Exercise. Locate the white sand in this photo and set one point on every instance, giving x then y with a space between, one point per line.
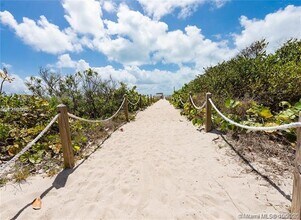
160 167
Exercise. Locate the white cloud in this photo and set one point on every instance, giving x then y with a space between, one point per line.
82 65
140 40
220 3
159 8
41 35
147 81
120 75
136 37
190 47
84 16
276 28
109 6
8 19
65 61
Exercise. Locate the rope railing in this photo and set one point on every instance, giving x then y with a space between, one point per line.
64 131
181 101
98 121
131 103
194 105
254 128
29 145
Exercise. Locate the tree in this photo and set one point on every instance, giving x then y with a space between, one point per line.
85 93
4 78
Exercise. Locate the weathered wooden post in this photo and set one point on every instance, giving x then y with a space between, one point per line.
140 101
296 202
126 107
190 95
65 136
208 121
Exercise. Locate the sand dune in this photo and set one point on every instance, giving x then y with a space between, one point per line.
159 167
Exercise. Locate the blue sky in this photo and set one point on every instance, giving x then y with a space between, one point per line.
155 45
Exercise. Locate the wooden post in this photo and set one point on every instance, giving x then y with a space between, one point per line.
65 136
296 202
126 107
140 101
208 121
190 95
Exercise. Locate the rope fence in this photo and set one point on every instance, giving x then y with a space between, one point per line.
296 193
64 131
182 102
29 145
253 128
194 105
101 120
131 103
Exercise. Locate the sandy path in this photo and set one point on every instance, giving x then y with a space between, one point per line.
160 167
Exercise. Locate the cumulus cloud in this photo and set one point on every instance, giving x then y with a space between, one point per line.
84 16
148 81
41 35
190 47
136 37
276 28
109 6
159 8
141 40
65 61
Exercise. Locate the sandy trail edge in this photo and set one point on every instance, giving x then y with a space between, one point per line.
160 167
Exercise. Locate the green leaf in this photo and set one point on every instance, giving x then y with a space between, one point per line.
76 148
286 115
228 103
24 158
35 158
265 113
298 106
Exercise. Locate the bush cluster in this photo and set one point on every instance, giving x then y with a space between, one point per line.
254 88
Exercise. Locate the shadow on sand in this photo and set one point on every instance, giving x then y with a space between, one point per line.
245 160
248 163
61 179
59 182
